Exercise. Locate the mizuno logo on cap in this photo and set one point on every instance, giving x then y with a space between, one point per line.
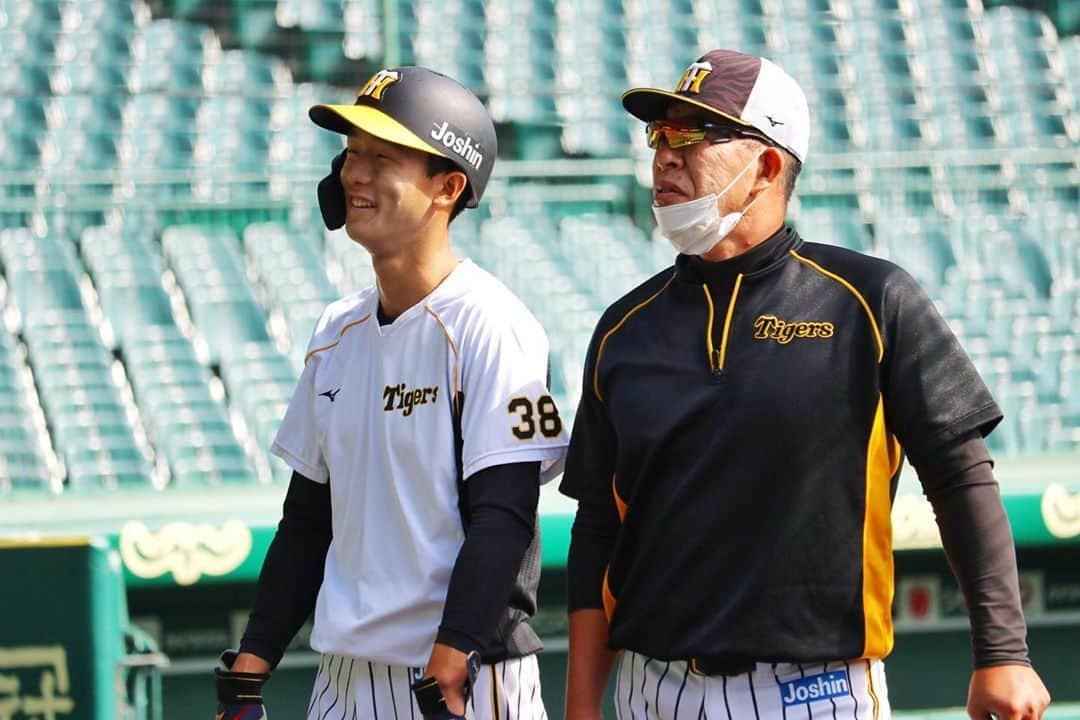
459 143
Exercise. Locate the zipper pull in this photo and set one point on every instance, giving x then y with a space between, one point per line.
716 368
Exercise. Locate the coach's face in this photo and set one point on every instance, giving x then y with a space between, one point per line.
389 197
694 171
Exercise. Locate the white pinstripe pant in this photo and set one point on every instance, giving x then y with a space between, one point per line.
648 689
353 689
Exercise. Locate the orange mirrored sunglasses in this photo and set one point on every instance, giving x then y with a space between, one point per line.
681 134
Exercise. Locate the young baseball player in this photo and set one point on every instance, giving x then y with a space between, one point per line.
420 431
739 438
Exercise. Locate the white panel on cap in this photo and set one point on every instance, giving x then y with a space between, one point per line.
777 107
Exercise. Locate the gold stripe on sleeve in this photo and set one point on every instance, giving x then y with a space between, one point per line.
340 335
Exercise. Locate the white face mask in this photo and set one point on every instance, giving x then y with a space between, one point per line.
695 227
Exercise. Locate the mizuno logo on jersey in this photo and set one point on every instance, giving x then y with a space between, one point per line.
402 397
814 688
456 141
331 394
770 327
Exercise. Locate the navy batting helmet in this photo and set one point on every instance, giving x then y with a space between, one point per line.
424 110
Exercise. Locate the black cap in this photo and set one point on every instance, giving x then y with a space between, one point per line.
424 110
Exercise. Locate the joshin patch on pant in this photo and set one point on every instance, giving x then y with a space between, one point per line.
814 688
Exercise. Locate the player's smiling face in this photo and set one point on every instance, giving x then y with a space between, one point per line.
694 171
388 193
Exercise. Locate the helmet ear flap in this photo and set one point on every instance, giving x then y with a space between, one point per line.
332 194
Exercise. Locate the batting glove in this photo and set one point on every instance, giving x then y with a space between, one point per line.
332 194
429 697
239 693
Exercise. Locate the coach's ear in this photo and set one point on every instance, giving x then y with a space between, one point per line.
332 194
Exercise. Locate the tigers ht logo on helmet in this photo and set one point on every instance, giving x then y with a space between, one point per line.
378 83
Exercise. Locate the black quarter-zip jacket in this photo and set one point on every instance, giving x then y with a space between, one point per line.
745 421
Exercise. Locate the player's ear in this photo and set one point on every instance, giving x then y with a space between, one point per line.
770 165
452 185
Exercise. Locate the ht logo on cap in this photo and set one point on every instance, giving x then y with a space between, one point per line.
376 86
693 77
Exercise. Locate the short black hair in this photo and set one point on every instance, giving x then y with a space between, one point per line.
790 173
436 165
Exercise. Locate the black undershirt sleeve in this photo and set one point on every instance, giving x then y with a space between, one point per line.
292 571
592 539
959 482
501 502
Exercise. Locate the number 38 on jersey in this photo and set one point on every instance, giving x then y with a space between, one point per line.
530 417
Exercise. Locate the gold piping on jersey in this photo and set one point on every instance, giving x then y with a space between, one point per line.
882 462
727 320
340 335
620 504
457 367
714 362
716 358
853 291
870 689
609 333
607 596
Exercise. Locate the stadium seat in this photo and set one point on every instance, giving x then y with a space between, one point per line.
826 225
920 248
1070 56
40 292
519 72
246 73
23 464
617 261
21 78
23 471
168 56
450 36
310 14
105 473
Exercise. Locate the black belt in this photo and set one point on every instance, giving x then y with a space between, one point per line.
717 665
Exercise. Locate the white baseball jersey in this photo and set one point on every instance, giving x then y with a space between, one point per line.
373 415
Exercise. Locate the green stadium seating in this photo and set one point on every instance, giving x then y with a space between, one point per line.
363 37
921 249
20 78
168 56
310 14
246 74
22 461
161 117
825 225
